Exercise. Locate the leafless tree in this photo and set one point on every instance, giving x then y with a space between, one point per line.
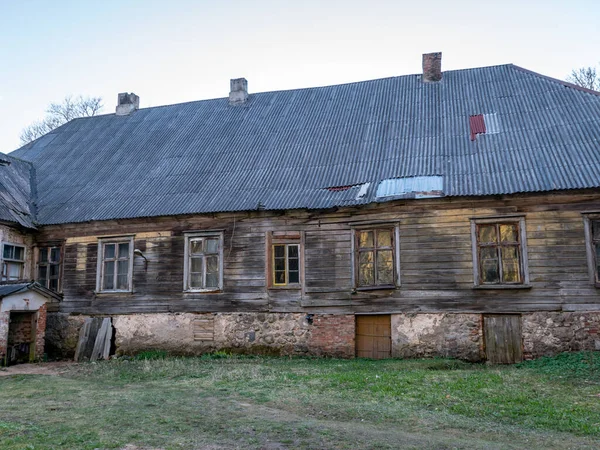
58 114
586 77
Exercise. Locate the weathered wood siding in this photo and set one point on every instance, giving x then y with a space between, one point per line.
435 258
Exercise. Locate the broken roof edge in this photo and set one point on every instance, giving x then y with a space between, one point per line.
556 80
355 204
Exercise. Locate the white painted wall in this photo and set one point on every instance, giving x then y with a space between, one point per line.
22 301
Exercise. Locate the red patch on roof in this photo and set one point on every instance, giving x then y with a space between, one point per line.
477 125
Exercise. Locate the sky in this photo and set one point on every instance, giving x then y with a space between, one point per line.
184 50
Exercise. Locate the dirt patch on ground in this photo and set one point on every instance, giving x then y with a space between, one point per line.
49 368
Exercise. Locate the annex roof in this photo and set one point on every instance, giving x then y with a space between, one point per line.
13 288
324 147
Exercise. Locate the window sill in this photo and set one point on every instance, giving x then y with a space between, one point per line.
106 293
484 287
377 288
203 291
296 287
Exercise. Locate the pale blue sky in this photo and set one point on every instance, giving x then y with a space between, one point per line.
175 51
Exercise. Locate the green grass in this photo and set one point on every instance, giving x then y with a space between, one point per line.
220 401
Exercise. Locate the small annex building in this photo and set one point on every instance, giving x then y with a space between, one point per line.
23 308
446 213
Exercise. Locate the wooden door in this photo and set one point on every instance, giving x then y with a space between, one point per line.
502 334
373 336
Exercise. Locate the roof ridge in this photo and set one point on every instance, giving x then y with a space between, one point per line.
556 80
323 86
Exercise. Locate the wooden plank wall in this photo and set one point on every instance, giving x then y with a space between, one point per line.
435 248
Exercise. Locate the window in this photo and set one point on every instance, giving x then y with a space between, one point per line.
592 238
115 265
48 268
13 262
500 256
203 262
286 264
284 251
376 257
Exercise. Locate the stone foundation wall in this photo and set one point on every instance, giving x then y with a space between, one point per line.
549 333
252 333
428 335
413 335
62 334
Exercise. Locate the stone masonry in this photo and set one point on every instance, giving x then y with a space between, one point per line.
453 335
549 333
428 335
253 333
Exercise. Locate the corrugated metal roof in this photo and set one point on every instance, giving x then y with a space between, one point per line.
15 191
282 150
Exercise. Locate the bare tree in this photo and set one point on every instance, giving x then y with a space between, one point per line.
58 114
586 77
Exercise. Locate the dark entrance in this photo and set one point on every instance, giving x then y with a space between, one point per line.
502 334
373 336
21 337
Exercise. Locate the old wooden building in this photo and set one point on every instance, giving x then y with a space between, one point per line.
439 214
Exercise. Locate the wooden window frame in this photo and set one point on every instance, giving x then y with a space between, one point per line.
5 261
588 219
284 238
186 265
102 242
523 252
395 227
49 247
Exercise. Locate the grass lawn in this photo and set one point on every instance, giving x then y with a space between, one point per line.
275 403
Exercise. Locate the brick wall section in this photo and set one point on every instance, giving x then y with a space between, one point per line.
40 332
549 333
333 335
19 331
4 319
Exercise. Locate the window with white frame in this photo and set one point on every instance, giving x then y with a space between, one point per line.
499 252
203 271
13 262
376 257
115 265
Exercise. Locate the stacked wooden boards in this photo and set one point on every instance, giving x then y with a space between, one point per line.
95 339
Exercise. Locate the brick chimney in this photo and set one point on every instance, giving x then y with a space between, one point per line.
432 67
239 91
127 103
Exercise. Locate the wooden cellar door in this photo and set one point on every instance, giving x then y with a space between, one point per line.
373 336
502 334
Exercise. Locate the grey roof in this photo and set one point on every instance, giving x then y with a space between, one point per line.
15 191
12 288
8 289
285 150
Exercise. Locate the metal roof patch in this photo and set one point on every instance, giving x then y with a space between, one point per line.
411 187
